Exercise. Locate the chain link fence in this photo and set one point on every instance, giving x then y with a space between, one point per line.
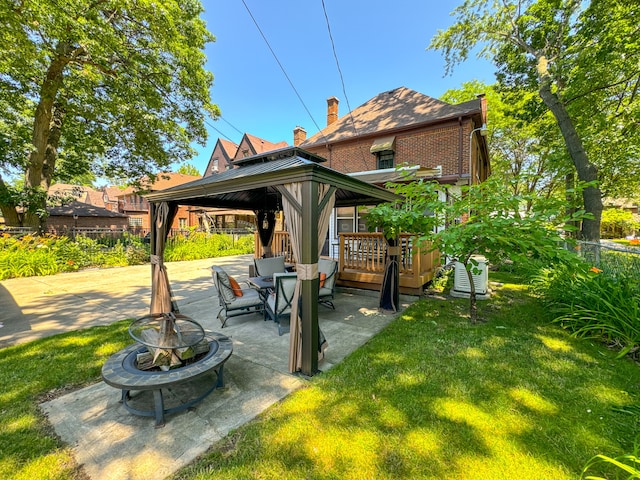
611 258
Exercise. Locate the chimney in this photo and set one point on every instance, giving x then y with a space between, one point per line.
299 136
483 106
332 110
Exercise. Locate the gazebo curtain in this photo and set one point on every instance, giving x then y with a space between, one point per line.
389 290
266 220
161 296
292 207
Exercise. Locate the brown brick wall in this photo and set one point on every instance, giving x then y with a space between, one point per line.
427 147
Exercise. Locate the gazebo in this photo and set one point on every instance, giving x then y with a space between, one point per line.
292 180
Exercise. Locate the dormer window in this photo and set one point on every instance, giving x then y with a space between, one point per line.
385 159
384 150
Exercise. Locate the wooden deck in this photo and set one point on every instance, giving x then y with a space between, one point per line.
361 256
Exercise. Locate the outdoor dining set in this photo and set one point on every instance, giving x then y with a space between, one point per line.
269 290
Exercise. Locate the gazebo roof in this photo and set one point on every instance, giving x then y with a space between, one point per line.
251 185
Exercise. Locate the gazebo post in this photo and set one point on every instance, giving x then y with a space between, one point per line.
309 287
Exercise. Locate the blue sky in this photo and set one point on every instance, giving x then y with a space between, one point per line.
380 45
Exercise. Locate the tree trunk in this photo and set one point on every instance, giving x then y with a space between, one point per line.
47 128
8 207
473 300
587 172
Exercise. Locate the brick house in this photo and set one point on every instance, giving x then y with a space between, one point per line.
131 202
226 152
439 140
67 219
222 158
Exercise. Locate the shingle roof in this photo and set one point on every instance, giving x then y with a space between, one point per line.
261 146
83 210
228 148
389 111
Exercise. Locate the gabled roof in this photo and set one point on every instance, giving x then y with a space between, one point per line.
114 192
257 146
95 197
228 148
389 111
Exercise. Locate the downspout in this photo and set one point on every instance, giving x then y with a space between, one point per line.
460 144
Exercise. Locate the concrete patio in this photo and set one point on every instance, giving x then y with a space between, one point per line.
111 443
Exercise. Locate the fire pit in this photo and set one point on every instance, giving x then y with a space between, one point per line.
172 351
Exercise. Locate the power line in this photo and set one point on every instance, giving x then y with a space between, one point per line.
282 68
232 126
344 90
217 130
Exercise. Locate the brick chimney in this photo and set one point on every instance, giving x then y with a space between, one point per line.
483 106
332 110
299 136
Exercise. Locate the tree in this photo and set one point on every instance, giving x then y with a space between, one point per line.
572 52
188 169
110 88
515 126
495 227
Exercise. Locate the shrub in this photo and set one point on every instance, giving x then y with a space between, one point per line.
593 304
199 245
618 223
48 254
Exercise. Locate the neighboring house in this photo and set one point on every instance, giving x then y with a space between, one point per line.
132 203
80 215
438 140
64 193
627 204
110 197
222 158
225 152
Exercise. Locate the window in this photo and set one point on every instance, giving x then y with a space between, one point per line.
135 221
385 159
182 223
349 220
344 219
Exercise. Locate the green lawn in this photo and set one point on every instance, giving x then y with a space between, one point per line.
430 397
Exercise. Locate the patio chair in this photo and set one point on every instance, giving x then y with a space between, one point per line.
327 269
234 301
266 267
278 305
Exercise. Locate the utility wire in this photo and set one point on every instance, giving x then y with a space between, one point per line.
282 68
232 126
217 130
344 90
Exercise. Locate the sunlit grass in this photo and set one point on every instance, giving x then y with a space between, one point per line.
431 397
435 397
29 372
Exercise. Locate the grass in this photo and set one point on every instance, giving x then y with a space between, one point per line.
430 397
32 372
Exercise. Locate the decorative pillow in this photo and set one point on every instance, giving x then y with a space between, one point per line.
323 277
235 286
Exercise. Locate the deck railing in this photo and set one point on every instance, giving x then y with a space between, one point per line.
280 245
361 258
366 252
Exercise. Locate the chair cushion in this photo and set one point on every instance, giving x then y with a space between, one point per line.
235 286
325 292
271 305
328 267
250 298
269 266
223 285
